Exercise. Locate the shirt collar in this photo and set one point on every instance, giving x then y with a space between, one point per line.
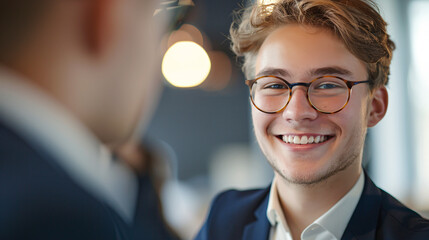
274 211
45 123
333 222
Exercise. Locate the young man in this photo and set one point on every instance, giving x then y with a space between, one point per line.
319 70
75 77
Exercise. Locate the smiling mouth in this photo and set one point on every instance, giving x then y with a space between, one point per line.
302 140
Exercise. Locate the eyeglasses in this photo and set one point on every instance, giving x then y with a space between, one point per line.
326 94
177 11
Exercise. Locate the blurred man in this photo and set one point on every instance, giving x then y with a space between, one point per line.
75 76
319 70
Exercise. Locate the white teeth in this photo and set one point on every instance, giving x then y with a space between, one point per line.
296 140
304 139
317 139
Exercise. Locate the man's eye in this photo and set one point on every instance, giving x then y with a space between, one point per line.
327 86
275 86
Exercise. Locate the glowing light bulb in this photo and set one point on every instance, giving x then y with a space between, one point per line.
186 64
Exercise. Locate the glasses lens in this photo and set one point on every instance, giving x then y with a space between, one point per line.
328 94
270 94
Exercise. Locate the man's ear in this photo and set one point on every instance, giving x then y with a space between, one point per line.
378 106
99 25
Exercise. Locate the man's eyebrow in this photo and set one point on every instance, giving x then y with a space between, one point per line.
274 71
330 71
317 72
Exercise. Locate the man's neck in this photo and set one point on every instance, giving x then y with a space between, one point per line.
303 204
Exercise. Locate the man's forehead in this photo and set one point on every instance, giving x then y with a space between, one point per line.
306 51
289 30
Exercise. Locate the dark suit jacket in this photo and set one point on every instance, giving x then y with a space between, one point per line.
242 215
38 200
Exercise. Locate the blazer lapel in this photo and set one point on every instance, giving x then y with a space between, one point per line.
259 228
363 223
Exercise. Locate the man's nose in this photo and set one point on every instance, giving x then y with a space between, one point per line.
299 108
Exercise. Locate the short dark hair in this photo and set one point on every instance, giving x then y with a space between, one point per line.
17 19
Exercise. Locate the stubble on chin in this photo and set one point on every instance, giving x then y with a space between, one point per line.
314 179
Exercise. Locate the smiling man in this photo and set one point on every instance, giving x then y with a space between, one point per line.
318 73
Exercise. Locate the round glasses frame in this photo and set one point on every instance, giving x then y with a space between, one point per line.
349 84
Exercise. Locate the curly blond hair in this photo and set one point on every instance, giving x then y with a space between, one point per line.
357 23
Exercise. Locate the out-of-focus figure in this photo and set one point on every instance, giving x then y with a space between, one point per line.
175 202
75 77
155 169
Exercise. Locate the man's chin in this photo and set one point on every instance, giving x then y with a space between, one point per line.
310 178
305 179
302 175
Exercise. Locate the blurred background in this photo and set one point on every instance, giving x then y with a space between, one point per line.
203 133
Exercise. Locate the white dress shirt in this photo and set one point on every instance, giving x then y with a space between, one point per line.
42 121
330 226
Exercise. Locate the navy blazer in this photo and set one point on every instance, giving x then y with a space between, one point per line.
242 215
38 200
